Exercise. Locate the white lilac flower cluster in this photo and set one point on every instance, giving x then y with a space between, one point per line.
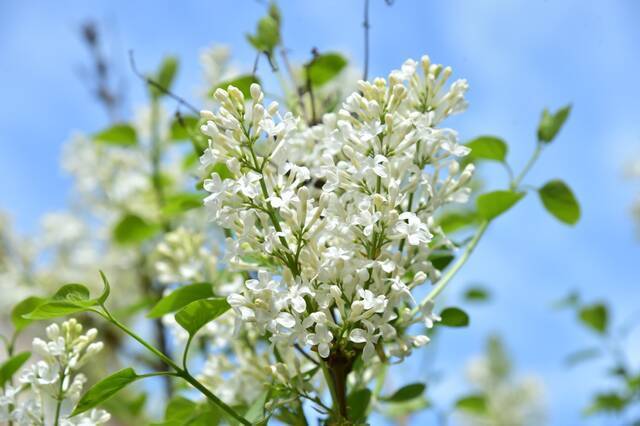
49 389
335 223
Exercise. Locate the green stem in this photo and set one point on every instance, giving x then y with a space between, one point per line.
451 272
182 373
59 398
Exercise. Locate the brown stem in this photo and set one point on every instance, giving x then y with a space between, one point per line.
340 365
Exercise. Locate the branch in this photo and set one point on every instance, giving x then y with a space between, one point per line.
366 26
158 86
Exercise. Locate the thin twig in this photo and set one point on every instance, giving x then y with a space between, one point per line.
306 355
366 26
254 71
158 86
314 118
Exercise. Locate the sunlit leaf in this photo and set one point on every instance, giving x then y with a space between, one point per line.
10 366
325 67
105 389
24 307
487 148
180 298
493 204
559 200
132 229
551 123
196 314
472 404
122 134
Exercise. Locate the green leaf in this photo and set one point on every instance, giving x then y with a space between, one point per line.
454 221
72 293
24 307
165 76
196 314
472 404
441 260
242 83
493 204
10 366
550 124
182 128
582 355
105 389
594 316
454 317
324 68
267 35
182 202
488 148
358 403
608 403
476 294
255 413
69 299
559 200
121 134
132 229
406 393
106 289
571 300
180 298
402 409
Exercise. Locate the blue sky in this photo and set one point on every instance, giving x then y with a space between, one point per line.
519 56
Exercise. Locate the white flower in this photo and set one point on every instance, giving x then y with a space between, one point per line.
411 227
368 337
321 338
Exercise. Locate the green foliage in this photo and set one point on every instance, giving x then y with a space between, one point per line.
69 299
559 200
179 203
324 68
132 229
610 402
182 412
196 314
493 204
242 83
406 393
267 35
121 134
475 404
476 294
105 389
23 308
358 404
454 317
183 127
440 260
256 412
488 148
165 76
551 123
454 221
180 298
10 366
595 317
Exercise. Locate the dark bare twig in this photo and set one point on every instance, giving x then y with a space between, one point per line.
158 86
366 26
255 65
304 354
314 52
100 76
